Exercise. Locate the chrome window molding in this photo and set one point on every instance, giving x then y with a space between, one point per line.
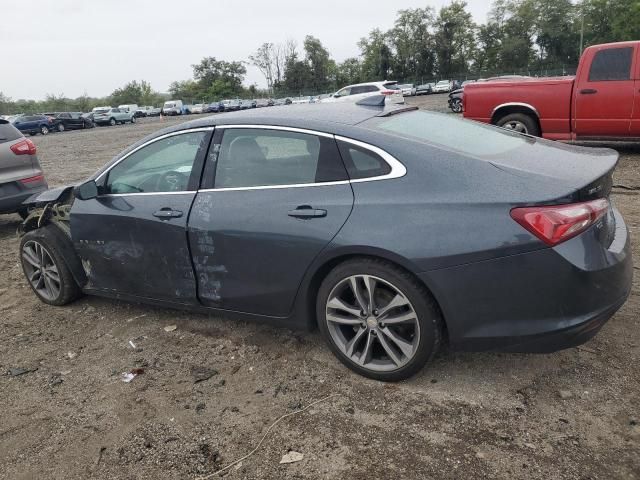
397 168
279 128
153 140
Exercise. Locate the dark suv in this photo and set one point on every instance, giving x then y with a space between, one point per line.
20 172
35 124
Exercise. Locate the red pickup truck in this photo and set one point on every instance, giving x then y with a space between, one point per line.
602 102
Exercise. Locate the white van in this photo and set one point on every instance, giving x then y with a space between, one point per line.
173 107
131 108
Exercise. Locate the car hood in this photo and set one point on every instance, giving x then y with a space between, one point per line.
51 195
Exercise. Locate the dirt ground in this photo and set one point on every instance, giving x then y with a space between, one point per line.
573 414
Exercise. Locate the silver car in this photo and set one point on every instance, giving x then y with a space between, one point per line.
20 172
113 116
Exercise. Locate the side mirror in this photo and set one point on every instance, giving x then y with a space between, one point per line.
86 191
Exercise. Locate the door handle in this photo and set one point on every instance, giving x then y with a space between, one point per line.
588 91
167 213
306 211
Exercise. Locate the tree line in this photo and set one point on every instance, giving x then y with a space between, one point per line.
534 37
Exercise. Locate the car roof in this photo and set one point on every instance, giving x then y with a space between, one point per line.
314 116
378 84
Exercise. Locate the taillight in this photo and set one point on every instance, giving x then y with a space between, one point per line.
25 147
37 178
558 223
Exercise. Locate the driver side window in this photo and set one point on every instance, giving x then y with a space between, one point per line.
344 92
162 166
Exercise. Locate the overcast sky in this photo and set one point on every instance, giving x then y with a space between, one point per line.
75 46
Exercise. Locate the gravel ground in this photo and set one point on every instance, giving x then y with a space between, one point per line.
211 388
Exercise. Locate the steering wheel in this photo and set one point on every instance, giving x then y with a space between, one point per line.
172 181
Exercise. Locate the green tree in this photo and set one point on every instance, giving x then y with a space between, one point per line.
413 44
454 39
348 72
376 55
218 78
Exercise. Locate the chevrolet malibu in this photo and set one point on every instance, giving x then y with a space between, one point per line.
393 230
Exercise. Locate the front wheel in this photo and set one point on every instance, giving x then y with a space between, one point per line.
456 105
44 130
133 120
60 127
45 270
521 123
378 319
112 122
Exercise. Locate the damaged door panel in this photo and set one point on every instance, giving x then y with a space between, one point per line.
132 236
279 198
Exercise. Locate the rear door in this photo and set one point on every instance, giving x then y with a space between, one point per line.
273 198
132 238
604 93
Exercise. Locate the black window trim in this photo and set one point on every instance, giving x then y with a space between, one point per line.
397 168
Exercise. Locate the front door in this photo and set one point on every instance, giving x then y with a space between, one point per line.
132 238
277 198
604 93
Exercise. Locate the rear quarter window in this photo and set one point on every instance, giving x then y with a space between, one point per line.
8 133
362 163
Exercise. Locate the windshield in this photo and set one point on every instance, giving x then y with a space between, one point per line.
478 140
169 105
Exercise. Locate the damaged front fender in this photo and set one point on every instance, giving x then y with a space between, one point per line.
51 210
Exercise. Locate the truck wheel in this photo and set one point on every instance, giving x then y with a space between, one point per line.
521 123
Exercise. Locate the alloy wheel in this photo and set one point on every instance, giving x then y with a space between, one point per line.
41 270
372 323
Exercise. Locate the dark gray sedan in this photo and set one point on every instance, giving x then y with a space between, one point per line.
393 230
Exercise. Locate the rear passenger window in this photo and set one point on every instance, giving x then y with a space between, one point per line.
361 162
257 157
8 132
611 64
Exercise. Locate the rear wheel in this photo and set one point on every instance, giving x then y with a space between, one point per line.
456 105
44 130
521 123
377 319
45 270
133 119
60 127
112 121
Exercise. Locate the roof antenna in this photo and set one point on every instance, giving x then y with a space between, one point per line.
372 101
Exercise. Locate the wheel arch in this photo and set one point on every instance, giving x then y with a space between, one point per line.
309 292
56 233
505 109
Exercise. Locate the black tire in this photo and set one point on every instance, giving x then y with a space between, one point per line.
529 123
456 106
427 312
69 289
44 130
133 120
112 122
60 127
